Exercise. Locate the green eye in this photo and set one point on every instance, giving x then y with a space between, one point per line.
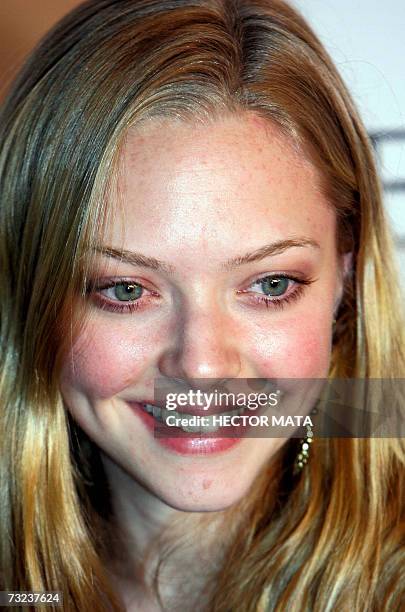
273 286
126 292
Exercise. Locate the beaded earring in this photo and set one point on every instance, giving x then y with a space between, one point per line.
305 445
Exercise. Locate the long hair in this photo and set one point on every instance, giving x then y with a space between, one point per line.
327 540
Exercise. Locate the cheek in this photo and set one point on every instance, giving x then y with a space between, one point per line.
295 349
106 359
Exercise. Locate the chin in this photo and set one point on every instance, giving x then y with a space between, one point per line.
191 500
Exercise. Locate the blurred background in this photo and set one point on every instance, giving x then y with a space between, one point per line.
364 37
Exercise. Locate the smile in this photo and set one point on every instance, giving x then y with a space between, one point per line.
191 423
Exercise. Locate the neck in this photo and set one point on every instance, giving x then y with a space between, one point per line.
184 550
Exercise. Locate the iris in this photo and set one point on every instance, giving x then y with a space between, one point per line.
272 285
126 292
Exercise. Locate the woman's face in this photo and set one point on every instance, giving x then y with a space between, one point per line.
197 212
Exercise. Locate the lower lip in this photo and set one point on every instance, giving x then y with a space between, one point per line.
204 444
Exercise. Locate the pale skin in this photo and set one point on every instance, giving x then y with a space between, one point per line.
195 197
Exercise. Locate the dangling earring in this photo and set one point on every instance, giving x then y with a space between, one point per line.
305 444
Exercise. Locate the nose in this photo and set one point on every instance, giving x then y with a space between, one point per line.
203 346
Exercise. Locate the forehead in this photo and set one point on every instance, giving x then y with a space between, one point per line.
238 179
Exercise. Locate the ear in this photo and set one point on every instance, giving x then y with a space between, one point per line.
346 268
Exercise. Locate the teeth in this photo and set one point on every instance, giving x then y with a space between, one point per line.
191 428
157 412
210 428
160 414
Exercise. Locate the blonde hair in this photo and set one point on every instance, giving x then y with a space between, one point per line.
324 541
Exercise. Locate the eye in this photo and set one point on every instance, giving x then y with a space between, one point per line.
273 286
121 295
276 290
124 292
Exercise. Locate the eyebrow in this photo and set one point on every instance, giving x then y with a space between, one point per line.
274 248
135 259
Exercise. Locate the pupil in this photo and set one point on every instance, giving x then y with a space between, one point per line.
128 291
274 286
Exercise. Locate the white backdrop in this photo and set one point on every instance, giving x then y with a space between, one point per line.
366 39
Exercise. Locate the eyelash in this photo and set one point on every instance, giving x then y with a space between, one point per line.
120 307
132 306
281 302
